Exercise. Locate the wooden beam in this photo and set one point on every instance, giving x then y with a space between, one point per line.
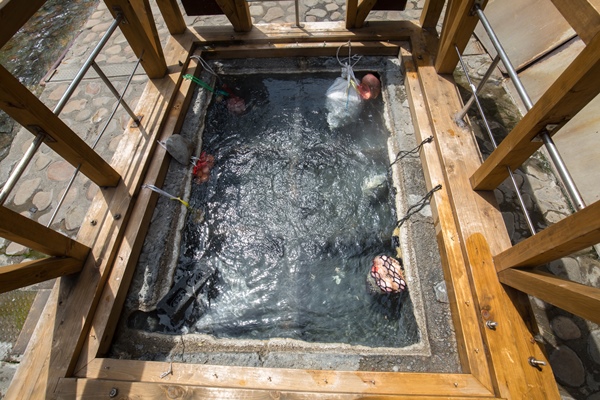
351 10
57 341
573 233
141 43
237 13
96 389
311 32
172 15
242 9
582 15
310 49
27 273
363 10
466 319
430 16
22 105
458 27
482 233
17 228
574 89
144 13
14 14
108 311
283 379
573 297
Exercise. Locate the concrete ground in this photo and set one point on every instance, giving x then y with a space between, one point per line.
573 344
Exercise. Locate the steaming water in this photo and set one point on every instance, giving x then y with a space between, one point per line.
295 212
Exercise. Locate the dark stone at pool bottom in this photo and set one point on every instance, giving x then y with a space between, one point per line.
295 212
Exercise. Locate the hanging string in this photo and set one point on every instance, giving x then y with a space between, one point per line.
404 153
415 208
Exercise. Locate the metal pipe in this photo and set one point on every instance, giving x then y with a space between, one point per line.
505 60
20 168
563 171
86 65
461 114
297 8
489 131
114 91
561 168
76 172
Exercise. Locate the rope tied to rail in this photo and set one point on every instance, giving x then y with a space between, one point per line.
405 153
415 208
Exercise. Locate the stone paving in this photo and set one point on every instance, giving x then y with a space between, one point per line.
573 344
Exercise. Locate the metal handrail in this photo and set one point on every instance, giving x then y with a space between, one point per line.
555 156
41 136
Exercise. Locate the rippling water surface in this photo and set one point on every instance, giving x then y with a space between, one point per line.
295 212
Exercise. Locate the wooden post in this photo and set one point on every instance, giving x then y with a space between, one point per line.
574 89
458 27
144 13
22 105
14 14
582 15
134 30
172 15
573 297
20 229
351 9
574 233
364 8
27 273
238 13
431 13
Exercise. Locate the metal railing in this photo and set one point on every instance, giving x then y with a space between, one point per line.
40 137
553 152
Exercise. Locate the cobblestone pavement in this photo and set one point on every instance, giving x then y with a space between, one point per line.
573 344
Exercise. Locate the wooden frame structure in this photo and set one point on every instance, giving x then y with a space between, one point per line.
65 356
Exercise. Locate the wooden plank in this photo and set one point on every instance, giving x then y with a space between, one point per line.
141 44
22 105
91 389
144 12
574 88
583 15
482 233
113 297
573 233
458 27
54 350
312 32
18 228
281 379
351 9
29 272
310 49
14 14
465 317
172 15
430 16
363 10
573 297
513 20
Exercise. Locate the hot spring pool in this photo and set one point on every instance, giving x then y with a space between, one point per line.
294 212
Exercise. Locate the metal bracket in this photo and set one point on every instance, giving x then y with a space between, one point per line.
477 4
41 132
119 14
